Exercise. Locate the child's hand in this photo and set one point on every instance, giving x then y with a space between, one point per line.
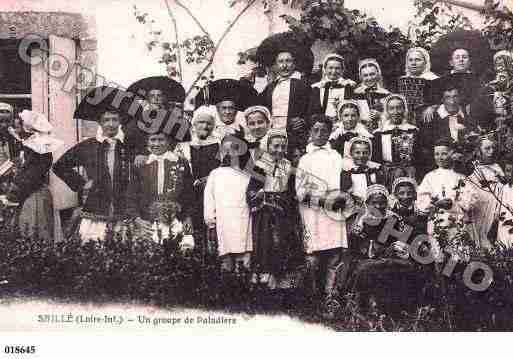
140 160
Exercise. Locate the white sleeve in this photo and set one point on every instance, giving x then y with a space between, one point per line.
301 179
424 193
209 201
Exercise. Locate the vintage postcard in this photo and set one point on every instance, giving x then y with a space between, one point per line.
255 166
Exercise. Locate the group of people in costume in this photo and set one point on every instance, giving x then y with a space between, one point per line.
298 176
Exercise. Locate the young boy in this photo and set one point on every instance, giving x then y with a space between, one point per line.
317 181
161 190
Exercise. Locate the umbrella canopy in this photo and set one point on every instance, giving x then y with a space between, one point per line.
286 41
102 99
173 91
470 40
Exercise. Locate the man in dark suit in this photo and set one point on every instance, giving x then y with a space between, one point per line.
450 120
107 161
161 190
288 97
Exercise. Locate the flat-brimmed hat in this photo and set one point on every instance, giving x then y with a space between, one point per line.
104 99
173 90
286 42
240 92
473 41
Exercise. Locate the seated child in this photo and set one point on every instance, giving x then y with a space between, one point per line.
380 266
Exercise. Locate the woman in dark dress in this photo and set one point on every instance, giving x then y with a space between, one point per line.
29 186
277 244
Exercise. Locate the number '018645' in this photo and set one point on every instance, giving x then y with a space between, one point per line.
19 349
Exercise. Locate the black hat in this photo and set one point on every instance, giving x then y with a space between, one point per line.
286 42
173 91
473 41
104 99
444 141
240 92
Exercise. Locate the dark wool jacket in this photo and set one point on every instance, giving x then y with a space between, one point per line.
92 156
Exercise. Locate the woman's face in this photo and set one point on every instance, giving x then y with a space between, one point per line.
395 110
369 75
460 60
257 124
442 156
377 204
204 125
349 117
406 194
487 149
416 63
333 70
360 152
277 148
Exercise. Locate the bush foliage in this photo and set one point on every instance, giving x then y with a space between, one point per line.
142 271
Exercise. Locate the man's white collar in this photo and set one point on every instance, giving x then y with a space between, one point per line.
442 112
168 155
101 138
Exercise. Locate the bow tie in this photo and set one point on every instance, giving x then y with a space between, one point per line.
371 89
253 145
359 170
166 156
333 85
311 147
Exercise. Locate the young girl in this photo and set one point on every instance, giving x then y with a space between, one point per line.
347 127
277 241
225 207
371 90
486 208
358 171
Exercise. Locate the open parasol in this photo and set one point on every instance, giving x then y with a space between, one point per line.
470 40
270 47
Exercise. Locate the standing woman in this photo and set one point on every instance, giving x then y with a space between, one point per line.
416 85
371 90
396 143
277 241
30 184
487 207
332 89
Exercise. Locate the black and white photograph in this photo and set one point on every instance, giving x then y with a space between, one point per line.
255 166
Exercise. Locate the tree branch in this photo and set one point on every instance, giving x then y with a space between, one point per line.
178 51
194 18
226 31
